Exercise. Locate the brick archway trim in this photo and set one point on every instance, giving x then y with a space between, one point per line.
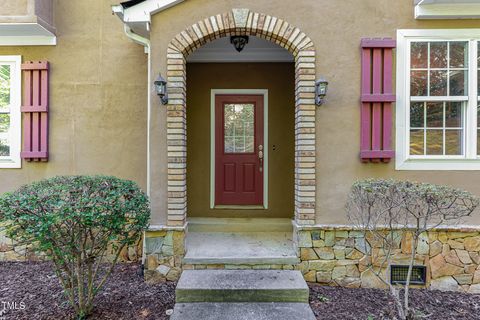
242 22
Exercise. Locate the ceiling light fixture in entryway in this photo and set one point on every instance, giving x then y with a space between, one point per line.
239 42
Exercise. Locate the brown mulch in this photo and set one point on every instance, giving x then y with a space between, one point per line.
335 303
125 295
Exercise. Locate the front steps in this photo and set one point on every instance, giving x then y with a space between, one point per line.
242 295
239 242
242 311
241 286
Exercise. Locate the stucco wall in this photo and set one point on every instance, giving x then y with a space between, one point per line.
13 7
336 28
278 78
98 96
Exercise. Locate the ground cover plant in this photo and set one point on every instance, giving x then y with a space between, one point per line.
81 223
386 210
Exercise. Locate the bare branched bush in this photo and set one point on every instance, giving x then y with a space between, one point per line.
386 210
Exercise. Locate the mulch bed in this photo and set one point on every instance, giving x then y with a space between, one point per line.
125 295
334 303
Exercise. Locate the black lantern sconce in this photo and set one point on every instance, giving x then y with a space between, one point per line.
321 87
239 42
161 89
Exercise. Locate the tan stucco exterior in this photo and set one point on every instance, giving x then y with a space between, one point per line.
336 28
98 96
98 93
28 11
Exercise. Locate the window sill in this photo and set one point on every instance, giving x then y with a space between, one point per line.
10 164
438 164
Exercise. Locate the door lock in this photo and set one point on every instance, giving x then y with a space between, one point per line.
260 157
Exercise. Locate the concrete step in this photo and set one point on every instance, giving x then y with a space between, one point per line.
242 311
241 286
237 248
240 225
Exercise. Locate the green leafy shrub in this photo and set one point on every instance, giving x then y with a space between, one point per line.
78 221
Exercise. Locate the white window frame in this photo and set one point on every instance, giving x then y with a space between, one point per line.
15 132
470 160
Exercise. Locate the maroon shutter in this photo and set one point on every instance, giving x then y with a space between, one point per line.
377 98
35 110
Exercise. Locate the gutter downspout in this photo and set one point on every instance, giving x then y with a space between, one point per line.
146 43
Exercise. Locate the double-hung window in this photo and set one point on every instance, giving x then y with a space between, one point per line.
10 118
437 111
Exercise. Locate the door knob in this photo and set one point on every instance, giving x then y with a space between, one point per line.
260 156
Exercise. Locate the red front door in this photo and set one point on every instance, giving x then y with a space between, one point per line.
239 150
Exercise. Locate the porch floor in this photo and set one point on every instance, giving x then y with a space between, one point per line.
239 247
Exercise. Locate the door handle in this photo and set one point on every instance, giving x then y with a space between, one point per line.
260 157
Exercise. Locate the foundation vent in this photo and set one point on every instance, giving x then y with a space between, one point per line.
398 274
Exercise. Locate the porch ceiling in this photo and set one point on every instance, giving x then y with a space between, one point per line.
257 50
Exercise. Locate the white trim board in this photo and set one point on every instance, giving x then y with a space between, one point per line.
469 161
213 93
15 131
441 9
26 34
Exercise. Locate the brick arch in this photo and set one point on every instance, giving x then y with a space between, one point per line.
242 22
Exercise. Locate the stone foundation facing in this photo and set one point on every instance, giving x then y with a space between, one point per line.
337 257
12 251
331 256
164 251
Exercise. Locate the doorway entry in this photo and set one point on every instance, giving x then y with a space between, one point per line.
240 157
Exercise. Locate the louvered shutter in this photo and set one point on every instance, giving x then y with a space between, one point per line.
377 98
35 110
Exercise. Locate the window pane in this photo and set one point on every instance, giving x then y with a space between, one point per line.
418 86
416 142
478 129
416 115
453 115
457 83
478 142
419 55
458 54
434 115
453 142
4 86
4 122
434 142
239 128
438 83
438 54
4 148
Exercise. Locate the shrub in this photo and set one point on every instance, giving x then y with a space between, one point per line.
77 221
381 208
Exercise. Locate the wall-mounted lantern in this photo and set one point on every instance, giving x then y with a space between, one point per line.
321 87
161 89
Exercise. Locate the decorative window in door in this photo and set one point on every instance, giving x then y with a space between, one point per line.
239 128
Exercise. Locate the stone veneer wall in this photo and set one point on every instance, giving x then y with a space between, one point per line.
164 251
11 251
337 257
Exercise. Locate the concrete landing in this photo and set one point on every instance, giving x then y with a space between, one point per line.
239 225
242 286
242 311
240 248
